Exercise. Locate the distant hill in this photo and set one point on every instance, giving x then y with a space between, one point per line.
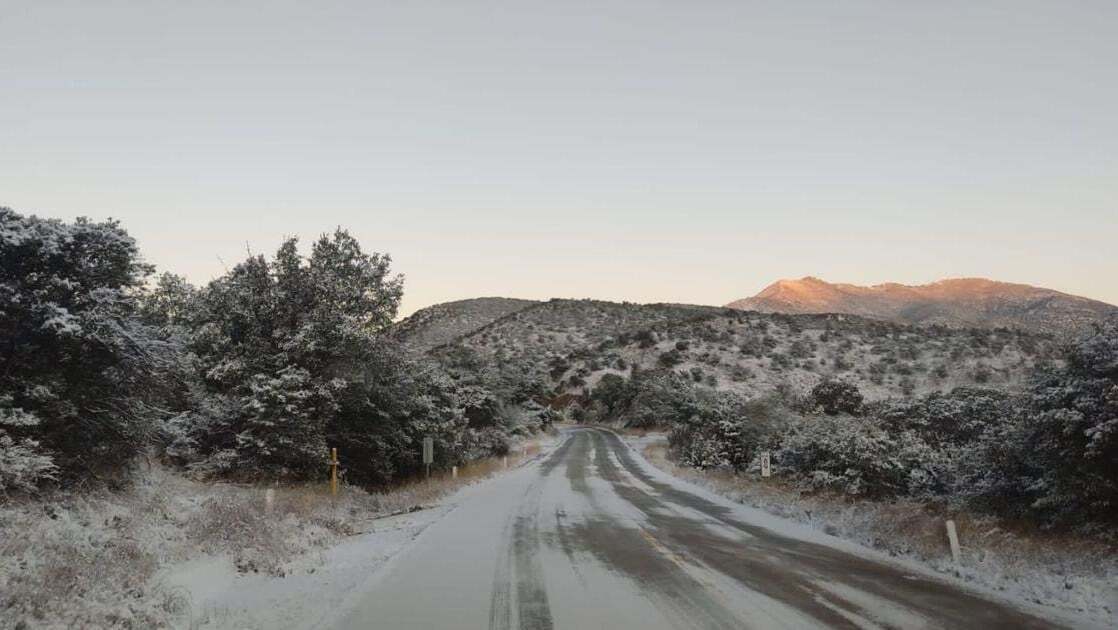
441 323
568 345
961 302
560 325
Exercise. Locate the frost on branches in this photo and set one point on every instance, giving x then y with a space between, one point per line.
285 359
75 361
1049 454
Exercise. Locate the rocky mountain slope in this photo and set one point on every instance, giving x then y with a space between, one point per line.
960 302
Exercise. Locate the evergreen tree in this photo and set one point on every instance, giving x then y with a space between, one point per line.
75 361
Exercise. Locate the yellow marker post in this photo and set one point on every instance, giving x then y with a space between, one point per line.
334 471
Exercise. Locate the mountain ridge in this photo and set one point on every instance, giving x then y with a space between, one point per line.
956 302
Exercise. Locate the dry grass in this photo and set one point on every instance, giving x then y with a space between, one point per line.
80 561
1070 572
87 560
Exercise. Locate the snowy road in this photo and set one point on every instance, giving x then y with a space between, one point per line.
591 536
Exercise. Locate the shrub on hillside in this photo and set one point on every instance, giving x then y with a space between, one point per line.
835 397
670 359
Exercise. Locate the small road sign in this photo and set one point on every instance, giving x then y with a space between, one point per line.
428 453
766 464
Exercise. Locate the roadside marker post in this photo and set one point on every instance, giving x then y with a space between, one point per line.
428 454
453 472
334 472
766 464
269 500
953 538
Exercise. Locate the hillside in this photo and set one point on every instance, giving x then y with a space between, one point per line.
568 345
440 323
531 349
757 353
961 302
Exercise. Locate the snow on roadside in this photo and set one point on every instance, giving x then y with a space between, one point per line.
313 587
220 597
1074 584
166 551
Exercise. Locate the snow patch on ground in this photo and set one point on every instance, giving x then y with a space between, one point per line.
314 584
166 551
314 587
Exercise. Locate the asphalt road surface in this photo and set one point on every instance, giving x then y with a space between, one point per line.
591 536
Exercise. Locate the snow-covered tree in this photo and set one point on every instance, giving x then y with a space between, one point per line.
290 362
72 353
1069 450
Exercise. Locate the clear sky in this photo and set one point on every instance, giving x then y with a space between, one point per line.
645 150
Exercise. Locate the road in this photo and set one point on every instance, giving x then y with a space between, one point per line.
591 536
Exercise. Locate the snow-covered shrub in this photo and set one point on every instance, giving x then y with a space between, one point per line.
288 364
958 417
932 446
843 453
660 399
835 397
527 418
1068 463
22 465
285 419
75 356
727 431
858 456
613 393
479 443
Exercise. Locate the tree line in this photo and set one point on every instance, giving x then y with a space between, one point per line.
253 375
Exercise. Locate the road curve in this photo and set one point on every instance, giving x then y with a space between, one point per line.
591 536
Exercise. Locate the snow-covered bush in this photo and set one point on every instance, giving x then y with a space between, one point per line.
613 393
727 431
844 453
659 399
835 397
1068 447
287 362
75 358
285 421
22 464
958 417
1049 455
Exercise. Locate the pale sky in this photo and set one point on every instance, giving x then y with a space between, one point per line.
643 150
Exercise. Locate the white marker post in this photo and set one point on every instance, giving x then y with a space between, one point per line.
766 464
953 538
269 500
454 472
